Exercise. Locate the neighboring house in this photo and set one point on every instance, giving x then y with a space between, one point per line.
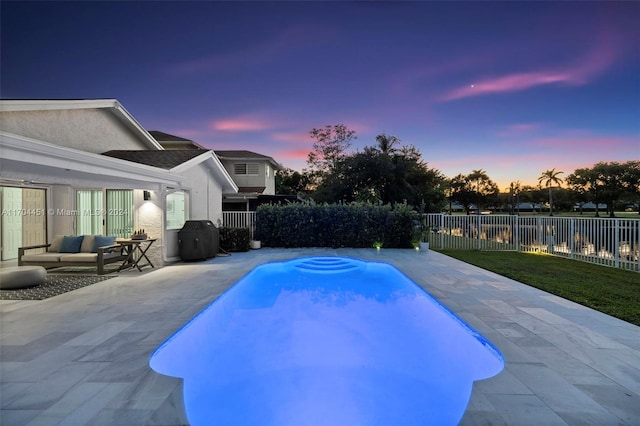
589 206
53 179
253 173
174 142
255 176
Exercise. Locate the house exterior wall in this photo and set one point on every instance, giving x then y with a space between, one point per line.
270 180
265 176
149 216
205 203
93 130
62 199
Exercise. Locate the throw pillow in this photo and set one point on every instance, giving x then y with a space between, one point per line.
87 244
56 243
101 241
71 244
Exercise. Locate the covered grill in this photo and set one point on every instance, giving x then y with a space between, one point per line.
198 240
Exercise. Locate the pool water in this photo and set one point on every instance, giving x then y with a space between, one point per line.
326 341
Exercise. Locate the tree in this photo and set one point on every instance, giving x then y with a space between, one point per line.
606 183
631 181
330 146
383 174
290 181
386 144
475 188
550 177
514 195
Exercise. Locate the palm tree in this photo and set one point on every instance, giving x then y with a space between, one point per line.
514 190
386 144
550 177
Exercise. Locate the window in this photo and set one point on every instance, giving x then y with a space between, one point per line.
246 169
177 212
240 168
91 215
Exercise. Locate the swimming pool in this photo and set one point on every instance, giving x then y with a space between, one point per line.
328 341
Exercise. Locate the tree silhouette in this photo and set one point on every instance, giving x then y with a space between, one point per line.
386 144
549 178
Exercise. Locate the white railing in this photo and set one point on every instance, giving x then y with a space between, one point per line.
240 220
610 242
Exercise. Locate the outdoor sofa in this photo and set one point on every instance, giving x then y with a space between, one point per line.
69 250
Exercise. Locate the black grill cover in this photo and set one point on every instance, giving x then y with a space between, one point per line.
198 240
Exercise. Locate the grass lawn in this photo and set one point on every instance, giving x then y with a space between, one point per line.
612 291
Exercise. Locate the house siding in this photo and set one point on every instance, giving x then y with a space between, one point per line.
90 130
260 179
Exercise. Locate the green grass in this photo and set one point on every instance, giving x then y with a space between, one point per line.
612 291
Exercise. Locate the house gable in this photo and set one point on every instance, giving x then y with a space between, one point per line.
86 125
250 170
179 162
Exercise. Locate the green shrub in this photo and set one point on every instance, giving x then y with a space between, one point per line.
335 225
234 239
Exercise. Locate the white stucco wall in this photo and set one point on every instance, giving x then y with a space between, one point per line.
205 203
91 130
61 200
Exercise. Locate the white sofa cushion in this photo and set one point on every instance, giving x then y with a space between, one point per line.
56 243
87 244
85 257
79 257
41 257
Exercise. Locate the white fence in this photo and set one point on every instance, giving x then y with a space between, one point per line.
610 242
240 220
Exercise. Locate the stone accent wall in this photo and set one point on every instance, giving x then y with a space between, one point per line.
149 216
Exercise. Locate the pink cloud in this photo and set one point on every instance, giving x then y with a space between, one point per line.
509 83
240 125
518 129
293 154
582 70
292 137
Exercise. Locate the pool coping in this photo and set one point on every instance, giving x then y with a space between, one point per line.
82 357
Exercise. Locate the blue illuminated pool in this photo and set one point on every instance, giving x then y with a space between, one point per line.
326 341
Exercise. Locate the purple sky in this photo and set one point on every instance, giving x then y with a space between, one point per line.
514 88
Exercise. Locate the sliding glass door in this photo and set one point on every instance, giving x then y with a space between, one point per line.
23 221
109 215
119 212
89 207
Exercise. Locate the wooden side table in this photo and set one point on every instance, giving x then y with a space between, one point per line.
136 251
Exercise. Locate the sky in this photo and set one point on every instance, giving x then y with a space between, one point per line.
511 88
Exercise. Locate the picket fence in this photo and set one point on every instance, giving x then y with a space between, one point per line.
604 241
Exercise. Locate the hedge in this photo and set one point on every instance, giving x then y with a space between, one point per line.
354 225
234 239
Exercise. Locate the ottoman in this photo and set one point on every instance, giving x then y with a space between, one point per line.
21 277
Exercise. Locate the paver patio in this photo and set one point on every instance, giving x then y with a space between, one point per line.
81 358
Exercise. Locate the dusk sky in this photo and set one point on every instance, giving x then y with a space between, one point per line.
513 88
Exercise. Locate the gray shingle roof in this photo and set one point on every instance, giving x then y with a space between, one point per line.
163 137
246 155
240 154
163 159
